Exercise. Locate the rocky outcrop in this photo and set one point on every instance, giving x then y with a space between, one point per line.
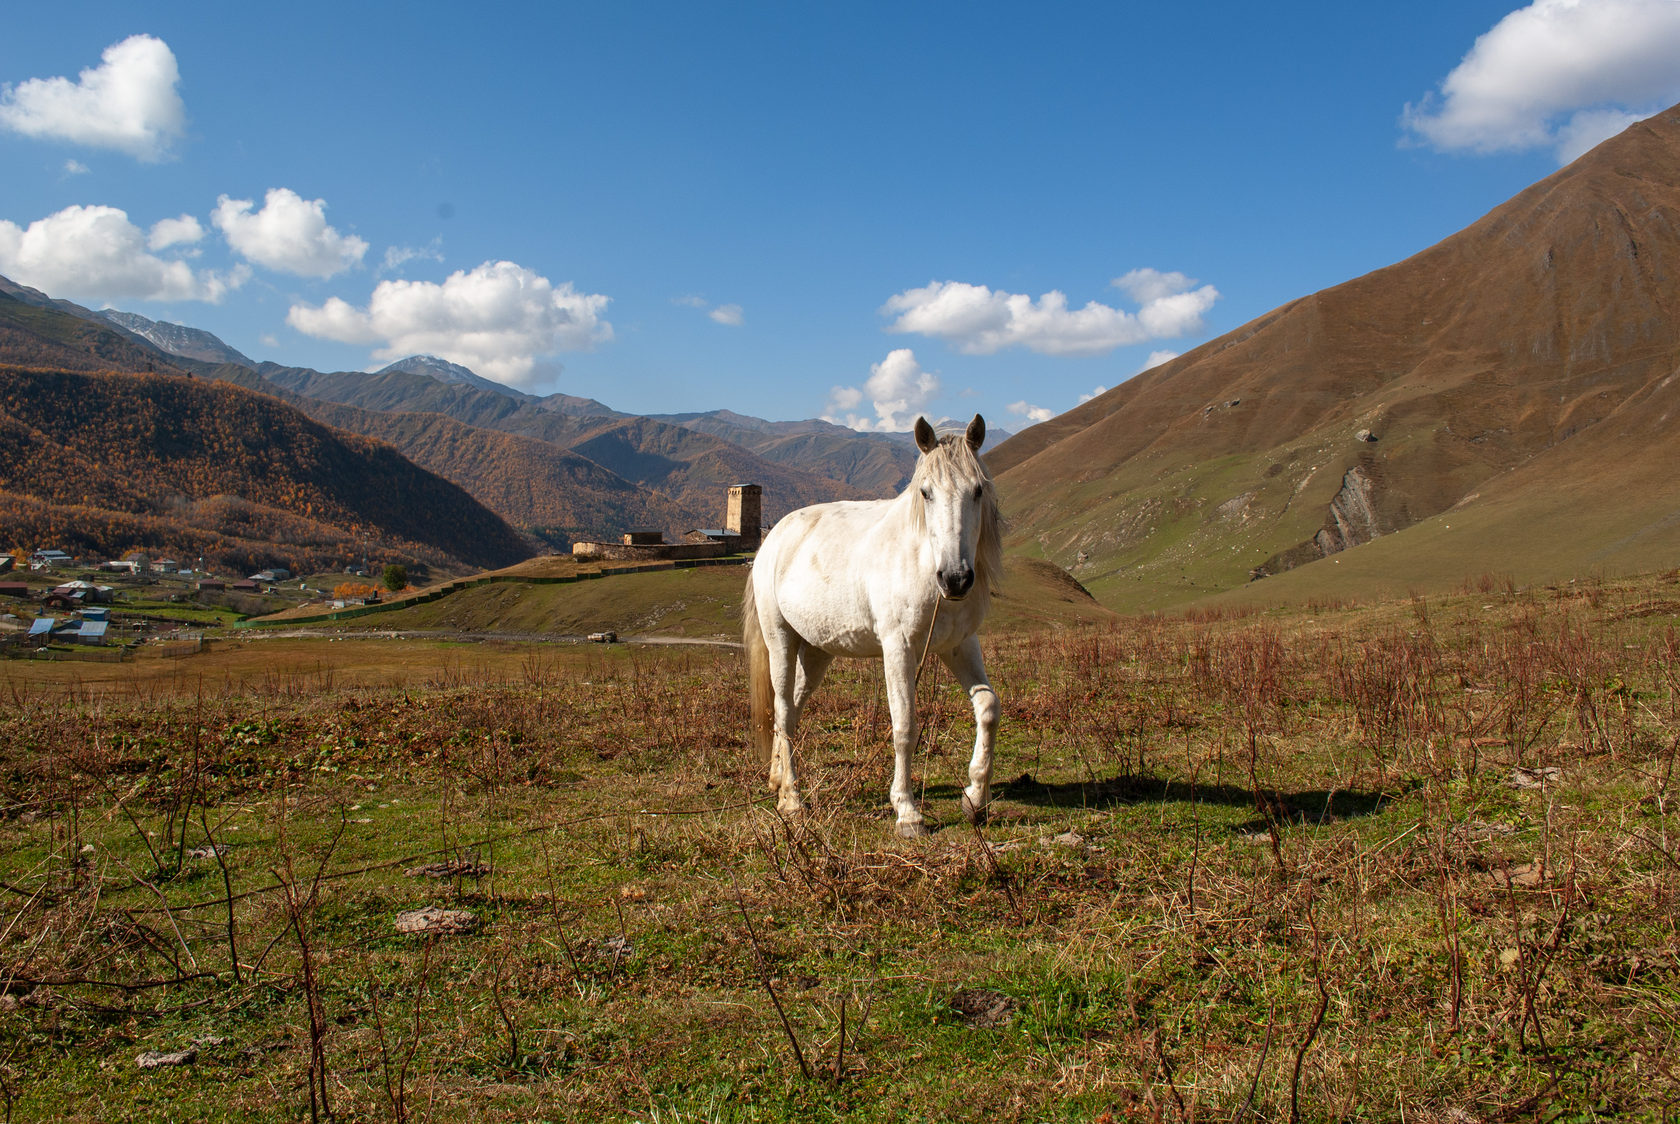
1353 514
1355 517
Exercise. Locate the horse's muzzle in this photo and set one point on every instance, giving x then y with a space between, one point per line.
954 585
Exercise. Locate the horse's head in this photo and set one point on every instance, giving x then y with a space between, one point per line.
958 508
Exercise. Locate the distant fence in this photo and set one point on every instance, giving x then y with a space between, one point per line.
177 648
113 654
488 579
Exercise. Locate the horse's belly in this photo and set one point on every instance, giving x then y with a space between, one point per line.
831 628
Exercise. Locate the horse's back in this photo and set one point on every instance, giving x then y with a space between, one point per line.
815 569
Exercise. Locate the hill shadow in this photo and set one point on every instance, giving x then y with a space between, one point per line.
1285 808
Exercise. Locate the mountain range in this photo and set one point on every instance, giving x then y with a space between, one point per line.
551 469
1500 407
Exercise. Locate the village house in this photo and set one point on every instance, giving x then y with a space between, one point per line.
73 595
83 630
50 560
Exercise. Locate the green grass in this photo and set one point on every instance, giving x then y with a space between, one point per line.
1263 805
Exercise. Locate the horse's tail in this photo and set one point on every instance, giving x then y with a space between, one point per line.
762 730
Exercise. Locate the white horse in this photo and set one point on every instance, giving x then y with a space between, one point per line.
881 579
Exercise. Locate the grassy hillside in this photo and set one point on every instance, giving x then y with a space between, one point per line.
1524 360
703 603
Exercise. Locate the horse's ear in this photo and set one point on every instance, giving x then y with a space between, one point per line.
926 439
976 433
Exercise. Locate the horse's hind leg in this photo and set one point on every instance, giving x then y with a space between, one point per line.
812 663
807 670
968 666
795 670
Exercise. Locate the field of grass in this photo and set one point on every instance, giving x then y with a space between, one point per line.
1415 860
703 603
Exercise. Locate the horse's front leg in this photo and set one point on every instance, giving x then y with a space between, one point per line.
969 667
900 667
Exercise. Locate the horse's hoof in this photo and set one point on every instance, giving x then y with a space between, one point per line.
916 830
792 810
977 814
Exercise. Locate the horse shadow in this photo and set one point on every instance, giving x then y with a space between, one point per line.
1270 806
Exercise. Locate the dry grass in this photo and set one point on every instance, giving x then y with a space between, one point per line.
1416 860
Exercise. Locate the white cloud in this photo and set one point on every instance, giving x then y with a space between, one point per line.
1096 392
398 256
1145 285
978 321
95 252
842 399
289 234
729 315
1564 74
498 320
1032 414
898 390
174 232
1156 358
128 102
76 168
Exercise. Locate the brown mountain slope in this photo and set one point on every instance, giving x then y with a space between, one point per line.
1365 408
684 470
37 331
696 469
555 494
874 463
106 462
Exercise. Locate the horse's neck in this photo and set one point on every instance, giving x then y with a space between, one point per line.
900 517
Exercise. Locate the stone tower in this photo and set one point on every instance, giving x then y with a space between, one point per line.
745 514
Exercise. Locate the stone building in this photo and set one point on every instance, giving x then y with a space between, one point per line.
742 530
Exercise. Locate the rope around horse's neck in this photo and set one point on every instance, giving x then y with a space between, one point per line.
915 691
927 644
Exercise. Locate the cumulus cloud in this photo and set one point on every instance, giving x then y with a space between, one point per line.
1563 74
1096 392
75 168
289 234
897 388
128 102
977 320
1032 414
1156 358
174 232
497 319
97 253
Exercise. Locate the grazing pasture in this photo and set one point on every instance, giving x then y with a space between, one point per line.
1414 860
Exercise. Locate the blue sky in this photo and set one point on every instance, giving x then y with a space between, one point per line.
857 211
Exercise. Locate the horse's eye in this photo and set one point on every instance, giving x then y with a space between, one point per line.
927 493
978 490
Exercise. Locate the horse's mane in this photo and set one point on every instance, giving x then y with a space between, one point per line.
954 464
